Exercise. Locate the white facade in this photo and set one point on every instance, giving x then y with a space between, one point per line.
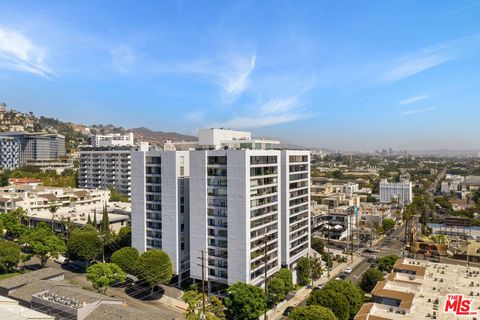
295 206
112 140
400 191
234 202
213 138
160 204
105 168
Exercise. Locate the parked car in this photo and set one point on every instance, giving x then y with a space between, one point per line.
348 270
320 286
61 260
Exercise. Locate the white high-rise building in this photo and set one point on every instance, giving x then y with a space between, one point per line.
295 211
234 198
160 204
234 208
397 191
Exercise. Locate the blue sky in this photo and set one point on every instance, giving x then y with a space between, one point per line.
356 75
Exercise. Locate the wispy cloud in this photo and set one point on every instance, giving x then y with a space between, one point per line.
235 80
272 112
430 57
17 52
123 59
414 99
416 111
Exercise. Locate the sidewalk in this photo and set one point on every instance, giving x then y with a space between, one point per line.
304 292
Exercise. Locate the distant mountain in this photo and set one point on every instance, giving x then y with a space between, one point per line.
158 137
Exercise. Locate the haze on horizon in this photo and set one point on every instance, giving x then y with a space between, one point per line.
343 75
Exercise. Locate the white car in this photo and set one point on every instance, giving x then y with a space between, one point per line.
61 260
348 270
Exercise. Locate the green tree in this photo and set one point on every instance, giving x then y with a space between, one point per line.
276 291
2 229
286 276
124 238
312 313
388 224
9 256
245 301
370 279
13 228
386 263
351 292
316 269
94 222
155 267
84 244
43 243
89 219
20 215
105 229
126 258
53 209
303 271
332 300
328 259
213 306
103 275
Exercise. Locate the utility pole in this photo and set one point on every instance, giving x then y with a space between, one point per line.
204 313
266 277
328 252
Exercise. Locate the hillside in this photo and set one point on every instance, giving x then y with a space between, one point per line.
75 134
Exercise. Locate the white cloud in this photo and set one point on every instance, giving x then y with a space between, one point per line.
235 80
416 111
274 111
414 99
17 52
123 59
430 57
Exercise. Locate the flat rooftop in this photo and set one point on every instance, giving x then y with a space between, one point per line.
422 292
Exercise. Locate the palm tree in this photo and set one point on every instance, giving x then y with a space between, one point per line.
53 209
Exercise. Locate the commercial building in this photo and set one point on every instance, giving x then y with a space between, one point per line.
401 192
228 199
38 146
112 140
420 290
9 153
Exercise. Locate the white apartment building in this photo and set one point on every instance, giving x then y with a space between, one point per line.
234 208
295 186
105 168
225 202
112 140
160 205
398 191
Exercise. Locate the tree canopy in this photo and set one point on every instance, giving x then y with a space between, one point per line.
9 256
126 258
155 267
276 291
332 300
103 275
312 313
286 276
388 224
370 279
245 301
353 294
386 263
213 306
43 242
84 244
303 271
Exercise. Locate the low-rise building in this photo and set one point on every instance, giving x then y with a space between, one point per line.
112 140
11 310
419 290
75 205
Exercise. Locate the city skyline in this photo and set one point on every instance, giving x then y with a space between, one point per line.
343 76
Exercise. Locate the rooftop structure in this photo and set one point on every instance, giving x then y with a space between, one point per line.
11 310
419 290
